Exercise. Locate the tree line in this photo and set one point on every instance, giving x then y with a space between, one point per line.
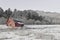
29 14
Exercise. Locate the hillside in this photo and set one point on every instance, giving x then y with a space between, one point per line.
54 16
50 14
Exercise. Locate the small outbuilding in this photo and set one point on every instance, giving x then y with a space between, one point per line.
13 22
10 22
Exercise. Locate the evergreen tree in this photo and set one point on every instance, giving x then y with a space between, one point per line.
1 12
8 13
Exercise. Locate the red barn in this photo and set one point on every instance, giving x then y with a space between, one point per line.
14 23
10 22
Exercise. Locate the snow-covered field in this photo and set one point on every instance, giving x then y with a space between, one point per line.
30 32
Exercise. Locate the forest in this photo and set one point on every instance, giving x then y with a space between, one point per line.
29 16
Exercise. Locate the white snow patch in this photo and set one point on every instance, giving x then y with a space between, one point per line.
30 32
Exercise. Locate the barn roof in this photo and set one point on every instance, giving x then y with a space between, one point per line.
18 19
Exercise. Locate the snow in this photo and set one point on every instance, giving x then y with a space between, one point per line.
30 32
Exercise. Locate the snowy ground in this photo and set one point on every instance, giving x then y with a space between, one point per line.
30 32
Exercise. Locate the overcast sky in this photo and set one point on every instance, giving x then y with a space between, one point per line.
43 5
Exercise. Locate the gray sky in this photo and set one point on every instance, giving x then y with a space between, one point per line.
43 5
